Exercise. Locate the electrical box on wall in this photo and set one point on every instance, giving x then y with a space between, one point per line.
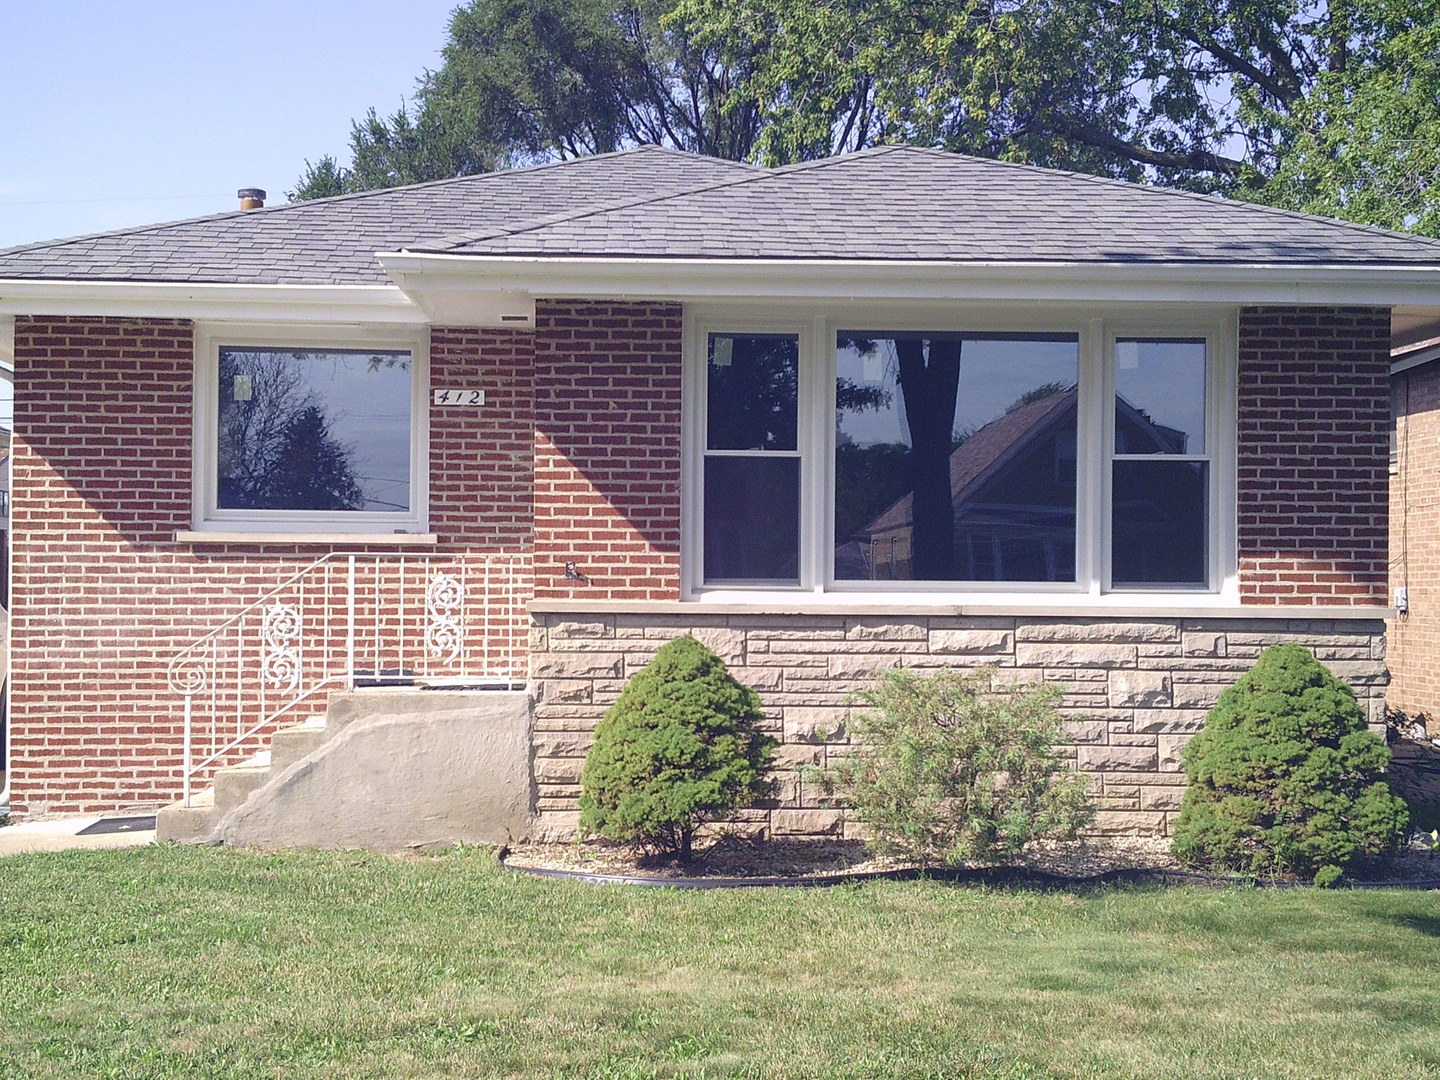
1402 599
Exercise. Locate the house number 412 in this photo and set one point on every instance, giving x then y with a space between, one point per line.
459 397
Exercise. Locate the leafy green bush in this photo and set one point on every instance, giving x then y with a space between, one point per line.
681 745
1285 777
947 770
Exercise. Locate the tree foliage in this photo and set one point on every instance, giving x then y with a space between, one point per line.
1285 777
524 81
681 745
1322 105
947 769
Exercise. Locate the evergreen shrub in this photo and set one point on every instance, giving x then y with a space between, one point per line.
1286 778
946 769
681 745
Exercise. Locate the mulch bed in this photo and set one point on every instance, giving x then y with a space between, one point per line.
737 861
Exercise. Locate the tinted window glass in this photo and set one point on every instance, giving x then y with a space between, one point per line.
752 519
303 429
1159 526
955 457
1159 397
752 391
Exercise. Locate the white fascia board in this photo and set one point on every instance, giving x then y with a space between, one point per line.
691 279
178 300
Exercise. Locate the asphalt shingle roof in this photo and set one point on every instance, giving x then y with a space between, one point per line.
333 241
907 203
888 203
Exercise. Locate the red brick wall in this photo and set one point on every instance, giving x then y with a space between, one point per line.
575 455
482 463
607 450
102 596
1413 649
1313 454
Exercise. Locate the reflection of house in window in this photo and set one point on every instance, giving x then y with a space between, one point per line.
1012 485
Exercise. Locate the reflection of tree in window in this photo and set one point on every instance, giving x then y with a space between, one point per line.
276 451
752 394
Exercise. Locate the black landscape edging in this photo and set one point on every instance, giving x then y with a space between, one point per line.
1003 875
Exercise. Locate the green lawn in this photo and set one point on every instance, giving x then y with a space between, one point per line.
208 963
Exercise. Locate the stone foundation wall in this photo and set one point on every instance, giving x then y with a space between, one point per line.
1134 689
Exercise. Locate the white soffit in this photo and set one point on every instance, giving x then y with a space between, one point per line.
1412 325
176 300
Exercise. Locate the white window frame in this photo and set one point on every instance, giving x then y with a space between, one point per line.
1221 390
1096 331
206 514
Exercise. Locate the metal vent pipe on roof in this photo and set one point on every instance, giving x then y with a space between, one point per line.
251 198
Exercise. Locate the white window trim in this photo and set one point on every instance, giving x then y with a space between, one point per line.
1096 330
207 518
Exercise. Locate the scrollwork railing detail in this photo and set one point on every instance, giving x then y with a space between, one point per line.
281 632
444 602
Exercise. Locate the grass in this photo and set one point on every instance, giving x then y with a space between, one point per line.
190 962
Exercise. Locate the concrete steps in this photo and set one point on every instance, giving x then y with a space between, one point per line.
385 768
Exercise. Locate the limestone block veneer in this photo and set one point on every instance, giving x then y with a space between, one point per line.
1135 689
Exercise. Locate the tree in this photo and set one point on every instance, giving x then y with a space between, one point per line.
1326 105
1200 93
524 81
1365 145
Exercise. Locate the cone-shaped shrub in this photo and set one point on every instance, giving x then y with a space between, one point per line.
1285 778
681 745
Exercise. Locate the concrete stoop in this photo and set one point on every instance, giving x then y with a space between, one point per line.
385 770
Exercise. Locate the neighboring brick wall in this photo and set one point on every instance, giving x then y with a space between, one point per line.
1314 398
102 597
607 449
1135 690
1414 642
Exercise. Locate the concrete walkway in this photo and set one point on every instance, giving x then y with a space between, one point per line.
61 834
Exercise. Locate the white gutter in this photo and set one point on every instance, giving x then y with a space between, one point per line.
678 279
496 289
291 303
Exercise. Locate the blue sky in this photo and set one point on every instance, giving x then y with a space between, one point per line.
125 112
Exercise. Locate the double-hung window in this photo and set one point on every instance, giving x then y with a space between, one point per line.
752 458
310 433
854 456
1160 474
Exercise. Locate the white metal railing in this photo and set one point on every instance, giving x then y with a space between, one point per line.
350 620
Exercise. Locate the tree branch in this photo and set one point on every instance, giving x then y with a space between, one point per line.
1201 160
1287 95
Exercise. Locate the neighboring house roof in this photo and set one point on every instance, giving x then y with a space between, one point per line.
977 459
890 203
1414 356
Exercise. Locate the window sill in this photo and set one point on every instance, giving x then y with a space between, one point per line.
328 539
1058 608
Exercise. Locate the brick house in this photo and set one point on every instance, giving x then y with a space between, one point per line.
1413 653
519 429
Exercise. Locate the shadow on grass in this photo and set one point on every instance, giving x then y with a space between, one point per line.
1429 925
